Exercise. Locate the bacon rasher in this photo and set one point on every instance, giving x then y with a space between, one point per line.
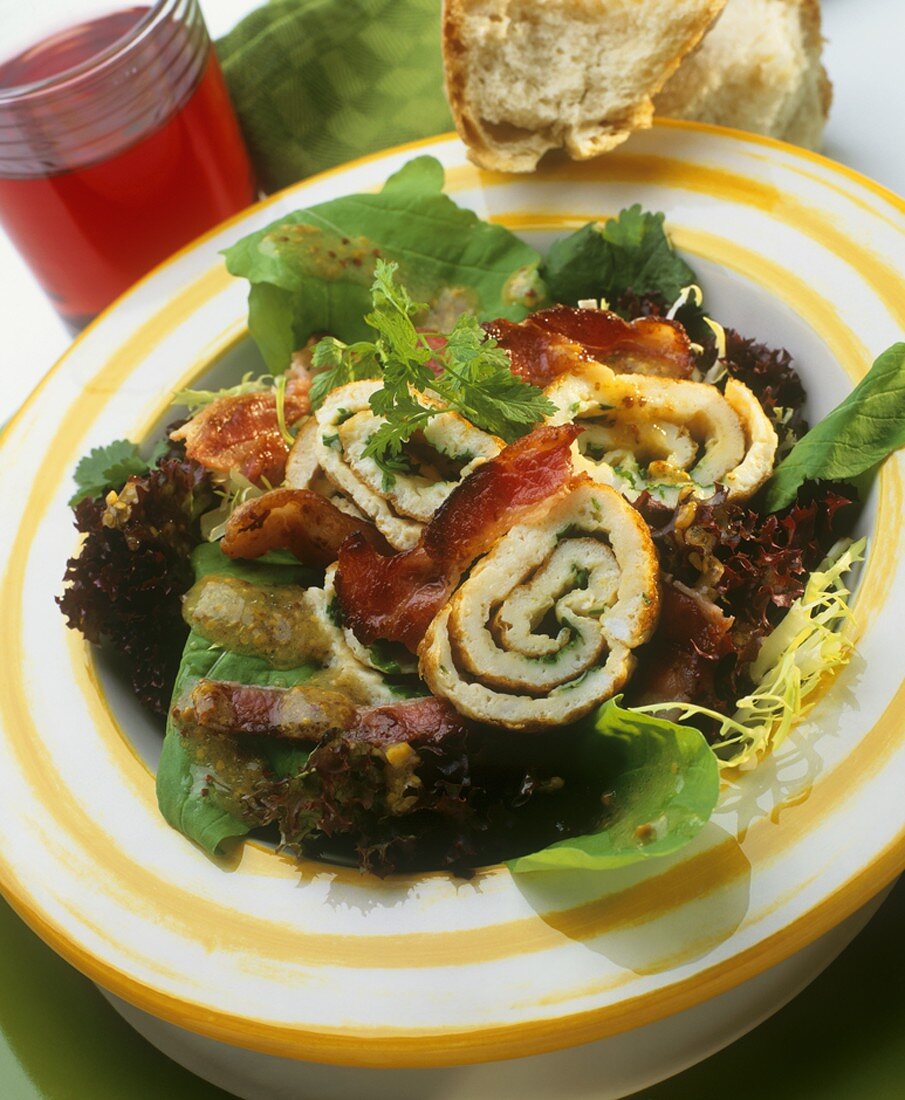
395 598
306 714
553 341
242 433
418 722
296 714
298 520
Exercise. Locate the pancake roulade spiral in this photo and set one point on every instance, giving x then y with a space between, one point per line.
660 434
543 627
437 460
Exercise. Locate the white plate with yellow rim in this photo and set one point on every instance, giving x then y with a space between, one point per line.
309 963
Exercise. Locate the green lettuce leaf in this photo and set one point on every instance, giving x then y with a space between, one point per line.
311 272
277 567
180 778
605 259
664 781
867 427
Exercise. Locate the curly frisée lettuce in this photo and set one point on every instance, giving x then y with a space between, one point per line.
663 784
194 400
792 663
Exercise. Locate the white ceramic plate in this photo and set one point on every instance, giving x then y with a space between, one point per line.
314 962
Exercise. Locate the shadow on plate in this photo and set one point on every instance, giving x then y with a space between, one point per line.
653 917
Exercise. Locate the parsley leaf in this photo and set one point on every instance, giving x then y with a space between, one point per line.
109 467
386 444
606 259
478 383
402 351
338 364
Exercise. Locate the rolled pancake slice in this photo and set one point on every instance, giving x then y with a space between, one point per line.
660 434
761 442
394 598
303 471
543 627
447 450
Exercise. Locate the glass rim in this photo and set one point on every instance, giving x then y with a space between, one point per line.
97 63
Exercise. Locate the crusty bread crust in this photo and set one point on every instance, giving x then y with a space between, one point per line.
508 145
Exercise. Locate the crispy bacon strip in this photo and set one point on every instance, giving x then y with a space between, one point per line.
554 341
395 598
295 714
306 714
537 354
418 722
242 433
680 663
297 520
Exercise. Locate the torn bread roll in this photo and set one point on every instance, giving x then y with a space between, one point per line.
543 627
527 76
759 68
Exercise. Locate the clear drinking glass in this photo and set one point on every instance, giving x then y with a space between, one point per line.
118 142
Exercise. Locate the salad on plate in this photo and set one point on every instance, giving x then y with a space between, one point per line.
499 557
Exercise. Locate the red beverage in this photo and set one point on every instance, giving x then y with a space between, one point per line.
121 146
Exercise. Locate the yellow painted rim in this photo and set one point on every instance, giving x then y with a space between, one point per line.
432 1048
797 152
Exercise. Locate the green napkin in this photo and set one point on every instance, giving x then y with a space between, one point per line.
319 82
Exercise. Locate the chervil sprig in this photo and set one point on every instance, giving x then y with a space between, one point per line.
478 383
466 370
337 364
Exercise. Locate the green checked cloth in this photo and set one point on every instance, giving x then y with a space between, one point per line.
319 82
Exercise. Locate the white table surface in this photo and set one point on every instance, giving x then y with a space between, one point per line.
865 54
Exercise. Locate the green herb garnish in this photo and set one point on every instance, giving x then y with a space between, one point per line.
474 377
110 467
605 259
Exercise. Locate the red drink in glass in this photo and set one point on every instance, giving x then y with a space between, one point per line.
118 144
